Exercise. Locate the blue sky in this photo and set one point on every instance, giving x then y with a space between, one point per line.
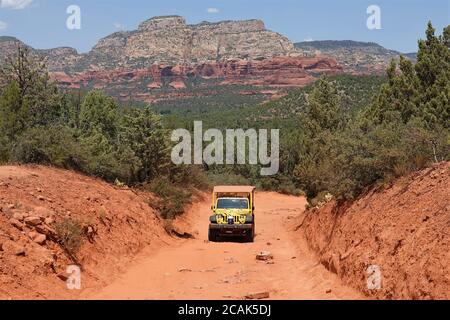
42 23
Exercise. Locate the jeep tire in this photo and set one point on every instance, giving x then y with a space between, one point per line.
212 235
250 236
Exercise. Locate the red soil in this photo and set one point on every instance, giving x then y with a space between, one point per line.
121 224
404 229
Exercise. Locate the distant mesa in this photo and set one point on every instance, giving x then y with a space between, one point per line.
355 56
165 54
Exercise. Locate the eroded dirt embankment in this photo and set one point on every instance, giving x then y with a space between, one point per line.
126 253
404 229
115 224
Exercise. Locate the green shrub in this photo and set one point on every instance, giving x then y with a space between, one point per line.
53 145
281 184
70 235
227 178
172 198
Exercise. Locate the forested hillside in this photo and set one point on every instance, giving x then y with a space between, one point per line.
344 134
339 136
88 132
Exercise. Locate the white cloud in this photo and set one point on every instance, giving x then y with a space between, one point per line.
15 4
212 10
3 25
309 39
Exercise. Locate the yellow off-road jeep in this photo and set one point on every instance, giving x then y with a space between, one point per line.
234 213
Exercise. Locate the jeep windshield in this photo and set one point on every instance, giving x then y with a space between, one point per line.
232 204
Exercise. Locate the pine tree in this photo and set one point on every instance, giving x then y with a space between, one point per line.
324 109
322 118
142 133
99 115
433 71
13 113
37 93
422 90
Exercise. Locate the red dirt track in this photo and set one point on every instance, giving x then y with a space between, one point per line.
127 254
197 269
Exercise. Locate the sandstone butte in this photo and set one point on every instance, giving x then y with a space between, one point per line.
167 52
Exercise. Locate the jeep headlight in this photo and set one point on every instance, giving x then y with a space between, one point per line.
220 219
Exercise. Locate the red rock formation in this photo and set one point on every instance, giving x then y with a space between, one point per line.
177 84
276 72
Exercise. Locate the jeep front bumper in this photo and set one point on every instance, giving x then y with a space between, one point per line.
231 229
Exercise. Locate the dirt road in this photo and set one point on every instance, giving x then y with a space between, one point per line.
197 269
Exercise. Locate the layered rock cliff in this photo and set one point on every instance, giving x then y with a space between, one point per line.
165 53
156 81
170 41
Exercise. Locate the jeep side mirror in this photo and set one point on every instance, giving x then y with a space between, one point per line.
253 208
